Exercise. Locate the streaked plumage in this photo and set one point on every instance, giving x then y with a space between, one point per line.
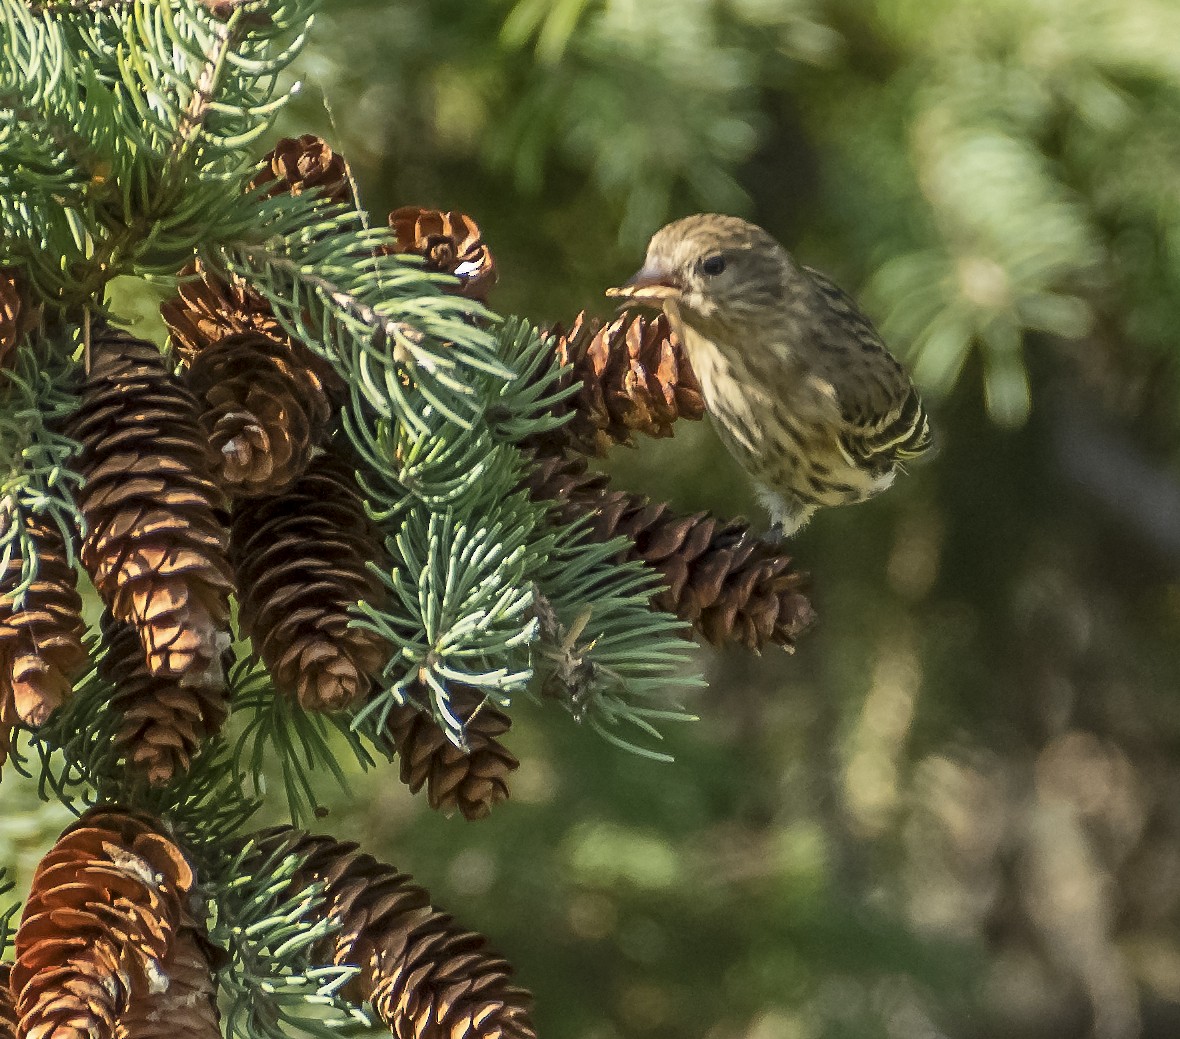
799 384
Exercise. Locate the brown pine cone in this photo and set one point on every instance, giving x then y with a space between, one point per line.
8 1018
731 585
210 307
99 924
450 243
187 1008
262 410
17 314
164 723
41 649
474 780
299 164
301 560
425 977
207 309
156 541
633 376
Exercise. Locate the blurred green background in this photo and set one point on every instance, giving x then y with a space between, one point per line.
954 811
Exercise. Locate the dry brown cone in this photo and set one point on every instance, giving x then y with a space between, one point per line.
208 307
187 1008
301 562
41 649
262 411
17 314
731 585
425 977
633 376
164 723
98 926
450 243
307 163
8 1018
156 540
473 780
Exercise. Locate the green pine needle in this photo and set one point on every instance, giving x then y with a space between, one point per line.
272 986
305 743
36 481
7 913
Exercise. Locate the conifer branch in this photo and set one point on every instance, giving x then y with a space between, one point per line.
403 341
718 576
222 38
274 921
423 975
140 208
401 576
405 347
39 483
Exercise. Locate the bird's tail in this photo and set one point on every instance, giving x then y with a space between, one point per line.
905 436
913 426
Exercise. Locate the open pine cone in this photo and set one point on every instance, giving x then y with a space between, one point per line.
210 307
301 560
473 780
307 163
156 539
262 410
633 376
164 723
207 309
450 243
99 924
41 648
425 977
187 1007
731 585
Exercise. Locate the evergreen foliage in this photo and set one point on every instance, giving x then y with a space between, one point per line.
130 147
39 481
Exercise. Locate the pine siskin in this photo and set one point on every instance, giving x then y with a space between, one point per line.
800 386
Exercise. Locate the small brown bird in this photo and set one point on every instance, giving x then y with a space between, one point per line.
799 384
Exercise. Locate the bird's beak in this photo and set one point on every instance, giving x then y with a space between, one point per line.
649 285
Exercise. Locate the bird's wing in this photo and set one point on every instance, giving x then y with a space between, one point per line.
885 421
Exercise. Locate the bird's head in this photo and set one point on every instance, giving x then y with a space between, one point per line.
717 271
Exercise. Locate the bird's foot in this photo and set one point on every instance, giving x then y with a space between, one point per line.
776 535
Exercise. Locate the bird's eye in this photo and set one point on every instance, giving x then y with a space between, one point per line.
713 265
